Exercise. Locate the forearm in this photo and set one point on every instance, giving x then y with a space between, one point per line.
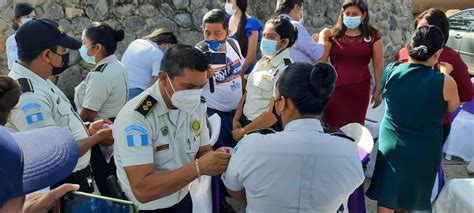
86 144
158 185
265 120
378 73
240 108
238 196
87 115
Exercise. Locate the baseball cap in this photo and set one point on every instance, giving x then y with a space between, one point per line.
40 34
35 159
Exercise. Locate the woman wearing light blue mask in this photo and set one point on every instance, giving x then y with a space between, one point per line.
24 12
104 91
255 108
350 46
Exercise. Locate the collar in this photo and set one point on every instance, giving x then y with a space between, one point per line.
286 16
304 124
19 71
106 60
278 59
155 92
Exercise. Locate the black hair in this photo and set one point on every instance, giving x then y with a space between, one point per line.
437 18
425 42
162 36
365 27
179 57
285 6
241 32
285 29
30 55
216 16
9 96
102 33
21 9
308 86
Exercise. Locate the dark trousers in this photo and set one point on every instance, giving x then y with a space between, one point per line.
82 177
185 206
102 170
446 131
225 139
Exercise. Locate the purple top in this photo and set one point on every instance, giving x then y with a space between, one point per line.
305 48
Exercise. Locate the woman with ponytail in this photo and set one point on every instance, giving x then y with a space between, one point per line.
24 12
411 135
254 110
246 30
104 91
301 169
9 96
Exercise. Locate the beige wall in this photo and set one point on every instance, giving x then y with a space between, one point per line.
421 5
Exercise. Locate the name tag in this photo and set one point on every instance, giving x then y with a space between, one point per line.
162 147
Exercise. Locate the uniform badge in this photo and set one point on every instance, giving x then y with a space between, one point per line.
146 105
196 126
136 135
164 130
33 111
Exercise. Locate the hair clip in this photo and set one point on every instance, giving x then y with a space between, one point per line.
423 48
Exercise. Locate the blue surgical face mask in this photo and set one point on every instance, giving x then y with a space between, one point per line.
87 58
215 45
268 47
352 22
25 20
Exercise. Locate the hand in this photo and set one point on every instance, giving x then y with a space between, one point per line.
95 126
225 149
214 163
210 72
43 202
238 134
445 68
315 37
106 137
236 125
376 99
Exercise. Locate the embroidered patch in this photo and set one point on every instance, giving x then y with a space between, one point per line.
146 105
32 110
196 126
136 136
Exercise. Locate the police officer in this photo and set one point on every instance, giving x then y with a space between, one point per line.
310 171
162 139
103 93
43 52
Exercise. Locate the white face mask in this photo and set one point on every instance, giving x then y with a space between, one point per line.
229 9
185 100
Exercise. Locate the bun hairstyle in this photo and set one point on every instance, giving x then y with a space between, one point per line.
21 9
285 29
426 41
9 96
308 86
102 33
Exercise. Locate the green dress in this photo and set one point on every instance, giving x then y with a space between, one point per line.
410 137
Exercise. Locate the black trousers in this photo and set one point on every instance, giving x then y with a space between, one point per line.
446 131
185 206
82 177
102 170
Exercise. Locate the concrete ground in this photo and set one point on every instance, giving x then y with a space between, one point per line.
454 168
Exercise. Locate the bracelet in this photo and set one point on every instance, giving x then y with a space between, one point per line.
198 171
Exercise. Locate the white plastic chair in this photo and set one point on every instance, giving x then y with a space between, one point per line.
200 191
360 134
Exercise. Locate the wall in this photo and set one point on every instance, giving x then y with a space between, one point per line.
140 17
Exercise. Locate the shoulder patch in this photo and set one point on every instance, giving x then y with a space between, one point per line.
263 131
26 85
146 105
287 61
136 135
100 68
203 100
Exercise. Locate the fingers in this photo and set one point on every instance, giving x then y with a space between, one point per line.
62 190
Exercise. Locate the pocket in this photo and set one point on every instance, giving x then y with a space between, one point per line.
264 81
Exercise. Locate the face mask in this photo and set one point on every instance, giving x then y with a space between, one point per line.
268 47
185 100
352 22
64 66
25 20
85 57
228 9
215 45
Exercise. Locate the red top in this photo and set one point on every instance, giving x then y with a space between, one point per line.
459 74
351 55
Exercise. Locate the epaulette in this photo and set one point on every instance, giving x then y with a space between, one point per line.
287 61
203 100
146 105
26 85
100 68
263 131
